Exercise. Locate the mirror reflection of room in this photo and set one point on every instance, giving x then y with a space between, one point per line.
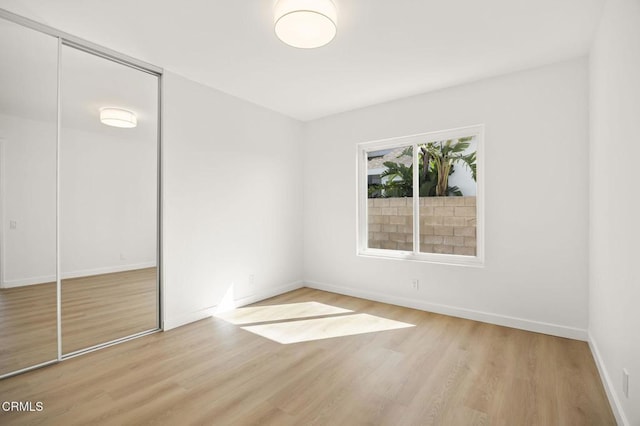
28 132
78 200
108 200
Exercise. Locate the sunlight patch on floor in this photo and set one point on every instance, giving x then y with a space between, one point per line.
325 328
288 311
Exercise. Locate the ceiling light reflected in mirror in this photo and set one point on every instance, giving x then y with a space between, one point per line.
117 117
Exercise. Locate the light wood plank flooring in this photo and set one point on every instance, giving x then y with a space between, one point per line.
443 371
95 309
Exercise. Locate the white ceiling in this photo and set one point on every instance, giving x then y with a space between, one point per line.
384 49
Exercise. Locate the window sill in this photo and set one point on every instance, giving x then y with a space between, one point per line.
440 259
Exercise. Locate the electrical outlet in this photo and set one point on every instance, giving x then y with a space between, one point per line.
625 382
13 224
415 284
123 257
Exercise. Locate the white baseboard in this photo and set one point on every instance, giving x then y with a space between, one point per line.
267 293
170 323
609 388
184 319
77 274
454 311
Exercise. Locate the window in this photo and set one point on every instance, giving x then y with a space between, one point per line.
420 197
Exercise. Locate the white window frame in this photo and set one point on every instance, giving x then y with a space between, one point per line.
363 148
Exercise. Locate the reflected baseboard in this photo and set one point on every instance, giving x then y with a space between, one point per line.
77 274
28 281
108 270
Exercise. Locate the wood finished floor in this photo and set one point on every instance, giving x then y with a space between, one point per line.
95 309
443 371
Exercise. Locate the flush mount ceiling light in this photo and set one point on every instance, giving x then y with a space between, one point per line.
118 117
305 23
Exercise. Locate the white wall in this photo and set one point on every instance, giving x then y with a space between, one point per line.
614 316
536 153
232 201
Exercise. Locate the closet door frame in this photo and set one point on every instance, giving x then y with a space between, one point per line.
95 49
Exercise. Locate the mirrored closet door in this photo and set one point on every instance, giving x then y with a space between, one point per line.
108 200
79 196
28 139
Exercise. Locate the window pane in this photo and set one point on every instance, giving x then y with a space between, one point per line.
447 175
390 198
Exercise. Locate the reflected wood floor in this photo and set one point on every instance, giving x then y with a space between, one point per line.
443 371
101 308
95 309
28 332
